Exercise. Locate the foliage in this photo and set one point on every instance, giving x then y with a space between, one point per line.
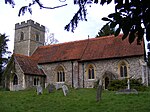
148 61
117 85
131 16
4 53
81 100
106 31
28 7
50 39
122 84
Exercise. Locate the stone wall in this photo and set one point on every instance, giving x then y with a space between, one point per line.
29 80
101 67
20 76
51 72
111 65
29 44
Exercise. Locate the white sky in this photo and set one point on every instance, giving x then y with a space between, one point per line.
55 20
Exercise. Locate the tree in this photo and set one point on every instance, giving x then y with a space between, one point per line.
131 16
106 31
4 53
50 39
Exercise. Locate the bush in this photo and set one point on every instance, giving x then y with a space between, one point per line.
116 85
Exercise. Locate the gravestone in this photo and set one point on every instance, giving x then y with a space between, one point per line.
99 91
51 88
127 91
65 90
76 86
58 86
39 90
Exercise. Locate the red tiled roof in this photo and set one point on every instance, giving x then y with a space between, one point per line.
89 49
112 47
28 65
60 52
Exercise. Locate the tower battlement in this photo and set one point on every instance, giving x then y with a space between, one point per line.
30 23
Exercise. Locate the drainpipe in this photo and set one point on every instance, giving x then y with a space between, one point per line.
78 76
83 73
72 73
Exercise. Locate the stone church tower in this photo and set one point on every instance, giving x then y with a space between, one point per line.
28 36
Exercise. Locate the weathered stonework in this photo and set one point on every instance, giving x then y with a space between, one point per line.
17 71
29 43
51 72
102 68
75 69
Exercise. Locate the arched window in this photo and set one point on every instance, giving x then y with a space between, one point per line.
60 74
21 36
15 80
123 69
91 72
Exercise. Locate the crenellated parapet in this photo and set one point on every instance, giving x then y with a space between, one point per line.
30 23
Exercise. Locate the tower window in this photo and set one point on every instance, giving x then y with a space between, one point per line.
37 37
21 36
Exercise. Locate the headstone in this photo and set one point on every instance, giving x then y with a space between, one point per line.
127 91
99 91
39 90
65 90
51 88
58 86
76 86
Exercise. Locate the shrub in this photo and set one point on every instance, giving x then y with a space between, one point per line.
122 84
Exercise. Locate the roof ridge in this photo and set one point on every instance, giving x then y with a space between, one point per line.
63 43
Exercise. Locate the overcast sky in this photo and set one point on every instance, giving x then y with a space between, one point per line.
55 20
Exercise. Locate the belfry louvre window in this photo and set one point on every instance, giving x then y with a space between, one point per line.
21 36
37 37
91 73
60 75
15 81
123 70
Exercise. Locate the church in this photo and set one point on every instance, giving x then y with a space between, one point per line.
78 64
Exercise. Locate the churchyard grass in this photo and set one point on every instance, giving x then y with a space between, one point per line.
81 100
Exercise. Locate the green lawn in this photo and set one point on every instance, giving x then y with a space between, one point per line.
81 100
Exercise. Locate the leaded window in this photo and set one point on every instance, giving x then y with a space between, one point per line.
36 81
123 70
91 73
60 75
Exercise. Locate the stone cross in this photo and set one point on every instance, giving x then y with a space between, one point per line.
51 88
65 90
39 90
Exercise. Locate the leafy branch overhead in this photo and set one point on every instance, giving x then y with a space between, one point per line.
132 17
105 31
